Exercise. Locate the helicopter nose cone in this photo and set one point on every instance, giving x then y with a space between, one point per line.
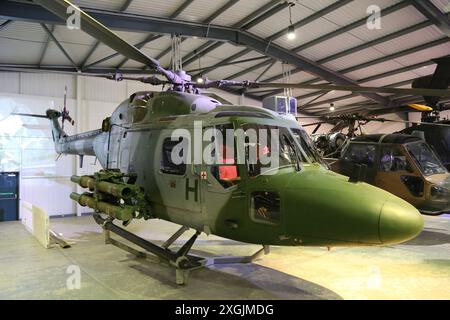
399 222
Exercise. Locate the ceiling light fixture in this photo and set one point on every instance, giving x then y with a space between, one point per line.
291 33
199 79
291 29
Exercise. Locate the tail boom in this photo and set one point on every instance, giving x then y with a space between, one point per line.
79 144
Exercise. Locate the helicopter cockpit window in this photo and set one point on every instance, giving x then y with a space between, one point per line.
361 154
265 207
258 142
425 158
392 159
167 164
307 145
225 168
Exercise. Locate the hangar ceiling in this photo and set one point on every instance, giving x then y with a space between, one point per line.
239 40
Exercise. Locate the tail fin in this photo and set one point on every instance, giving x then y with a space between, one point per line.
57 131
439 80
441 77
78 144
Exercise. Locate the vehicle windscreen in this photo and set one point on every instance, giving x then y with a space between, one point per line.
425 158
307 145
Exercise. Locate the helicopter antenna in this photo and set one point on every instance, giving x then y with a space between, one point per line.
65 112
286 78
177 60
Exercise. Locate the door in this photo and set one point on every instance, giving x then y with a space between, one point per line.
359 154
9 196
220 175
178 186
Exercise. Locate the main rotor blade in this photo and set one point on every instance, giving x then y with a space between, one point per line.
313 124
70 73
110 76
97 30
331 87
357 117
29 115
419 123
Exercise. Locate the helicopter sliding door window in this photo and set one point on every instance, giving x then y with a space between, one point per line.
392 159
224 169
361 154
257 145
265 207
167 164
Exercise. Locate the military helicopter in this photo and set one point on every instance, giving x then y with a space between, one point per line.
405 165
402 164
437 136
237 195
330 144
434 130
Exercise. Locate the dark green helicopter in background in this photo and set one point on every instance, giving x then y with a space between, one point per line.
299 202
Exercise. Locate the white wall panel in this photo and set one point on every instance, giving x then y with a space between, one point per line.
26 146
51 85
104 90
9 82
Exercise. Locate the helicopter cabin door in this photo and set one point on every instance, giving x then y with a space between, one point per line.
359 154
220 176
179 194
398 176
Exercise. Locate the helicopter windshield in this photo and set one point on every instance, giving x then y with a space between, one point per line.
425 158
307 145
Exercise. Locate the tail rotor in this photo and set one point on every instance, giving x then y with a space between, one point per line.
65 112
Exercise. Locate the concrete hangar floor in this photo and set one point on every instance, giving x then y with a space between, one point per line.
419 269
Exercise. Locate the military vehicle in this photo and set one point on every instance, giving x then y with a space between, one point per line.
402 164
437 136
297 202
432 128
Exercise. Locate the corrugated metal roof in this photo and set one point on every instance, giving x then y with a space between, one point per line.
443 5
373 70
354 59
425 55
392 79
410 40
154 8
23 42
100 4
238 12
279 21
199 10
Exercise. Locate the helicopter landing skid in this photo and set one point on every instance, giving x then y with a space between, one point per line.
180 260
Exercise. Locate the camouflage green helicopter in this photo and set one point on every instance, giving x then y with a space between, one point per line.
298 202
